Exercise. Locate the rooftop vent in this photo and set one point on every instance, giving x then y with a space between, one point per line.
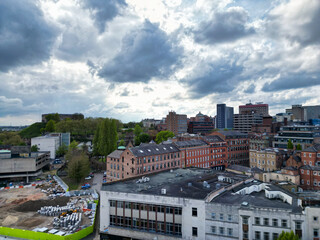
245 204
163 191
189 184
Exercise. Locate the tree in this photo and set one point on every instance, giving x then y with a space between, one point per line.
78 165
163 136
50 126
144 138
73 145
54 116
299 147
288 236
290 144
34 148
137 130
106 137
62 150
122 143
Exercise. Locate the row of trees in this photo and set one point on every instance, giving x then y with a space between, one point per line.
11 138
291 146
105 138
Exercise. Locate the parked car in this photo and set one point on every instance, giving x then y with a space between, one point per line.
86 186
88 178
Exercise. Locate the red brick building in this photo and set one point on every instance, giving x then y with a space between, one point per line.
141 160
237 146
310 171
207 153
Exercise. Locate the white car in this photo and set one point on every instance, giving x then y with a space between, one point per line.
88 178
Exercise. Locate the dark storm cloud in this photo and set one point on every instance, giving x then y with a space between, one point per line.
145 53
104 11
250 89
293 81
223 27
26 38
221 78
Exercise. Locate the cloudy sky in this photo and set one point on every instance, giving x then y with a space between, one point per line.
135 59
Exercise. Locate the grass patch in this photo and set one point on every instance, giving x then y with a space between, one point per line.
73 185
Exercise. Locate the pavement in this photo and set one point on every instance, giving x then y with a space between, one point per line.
96 184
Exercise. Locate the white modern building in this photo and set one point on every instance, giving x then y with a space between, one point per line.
47 143
51 142
202 204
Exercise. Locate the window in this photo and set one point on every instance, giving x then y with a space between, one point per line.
266 236
266 221
194 212
213 215
302 171
245 220
316 232
275 236
213 229
245 235
230 231
257 235
315 218
298 225
310 155
221 230
284 223
257 220
194 231
221 216
229 217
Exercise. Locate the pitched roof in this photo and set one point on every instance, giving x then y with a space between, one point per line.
313 168
213 138
233 133
115 154
190 143
153 149
314 148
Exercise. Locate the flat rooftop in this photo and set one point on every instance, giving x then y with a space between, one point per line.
257 199
184 183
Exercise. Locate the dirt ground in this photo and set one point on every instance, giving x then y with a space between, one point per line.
13 199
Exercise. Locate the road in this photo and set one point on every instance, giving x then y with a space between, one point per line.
97 181
96 184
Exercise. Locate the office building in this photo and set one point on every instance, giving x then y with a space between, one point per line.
304 113
299 134
237 146
224 117
202 204
141 160
177 123
200 124
258 108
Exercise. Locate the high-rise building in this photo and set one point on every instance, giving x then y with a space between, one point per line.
258 108
304 113
224 116
249 115
177 123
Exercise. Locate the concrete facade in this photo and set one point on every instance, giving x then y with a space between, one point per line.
47 143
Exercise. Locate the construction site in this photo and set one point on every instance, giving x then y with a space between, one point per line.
46 208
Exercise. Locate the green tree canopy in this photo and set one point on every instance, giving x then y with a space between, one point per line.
62 150
290 144
50 126
54 116
11 138
288 236
34 148
137 130
144 138
163 136
78 165
106 137
122 143
299 147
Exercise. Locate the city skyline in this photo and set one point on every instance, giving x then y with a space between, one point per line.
135 59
